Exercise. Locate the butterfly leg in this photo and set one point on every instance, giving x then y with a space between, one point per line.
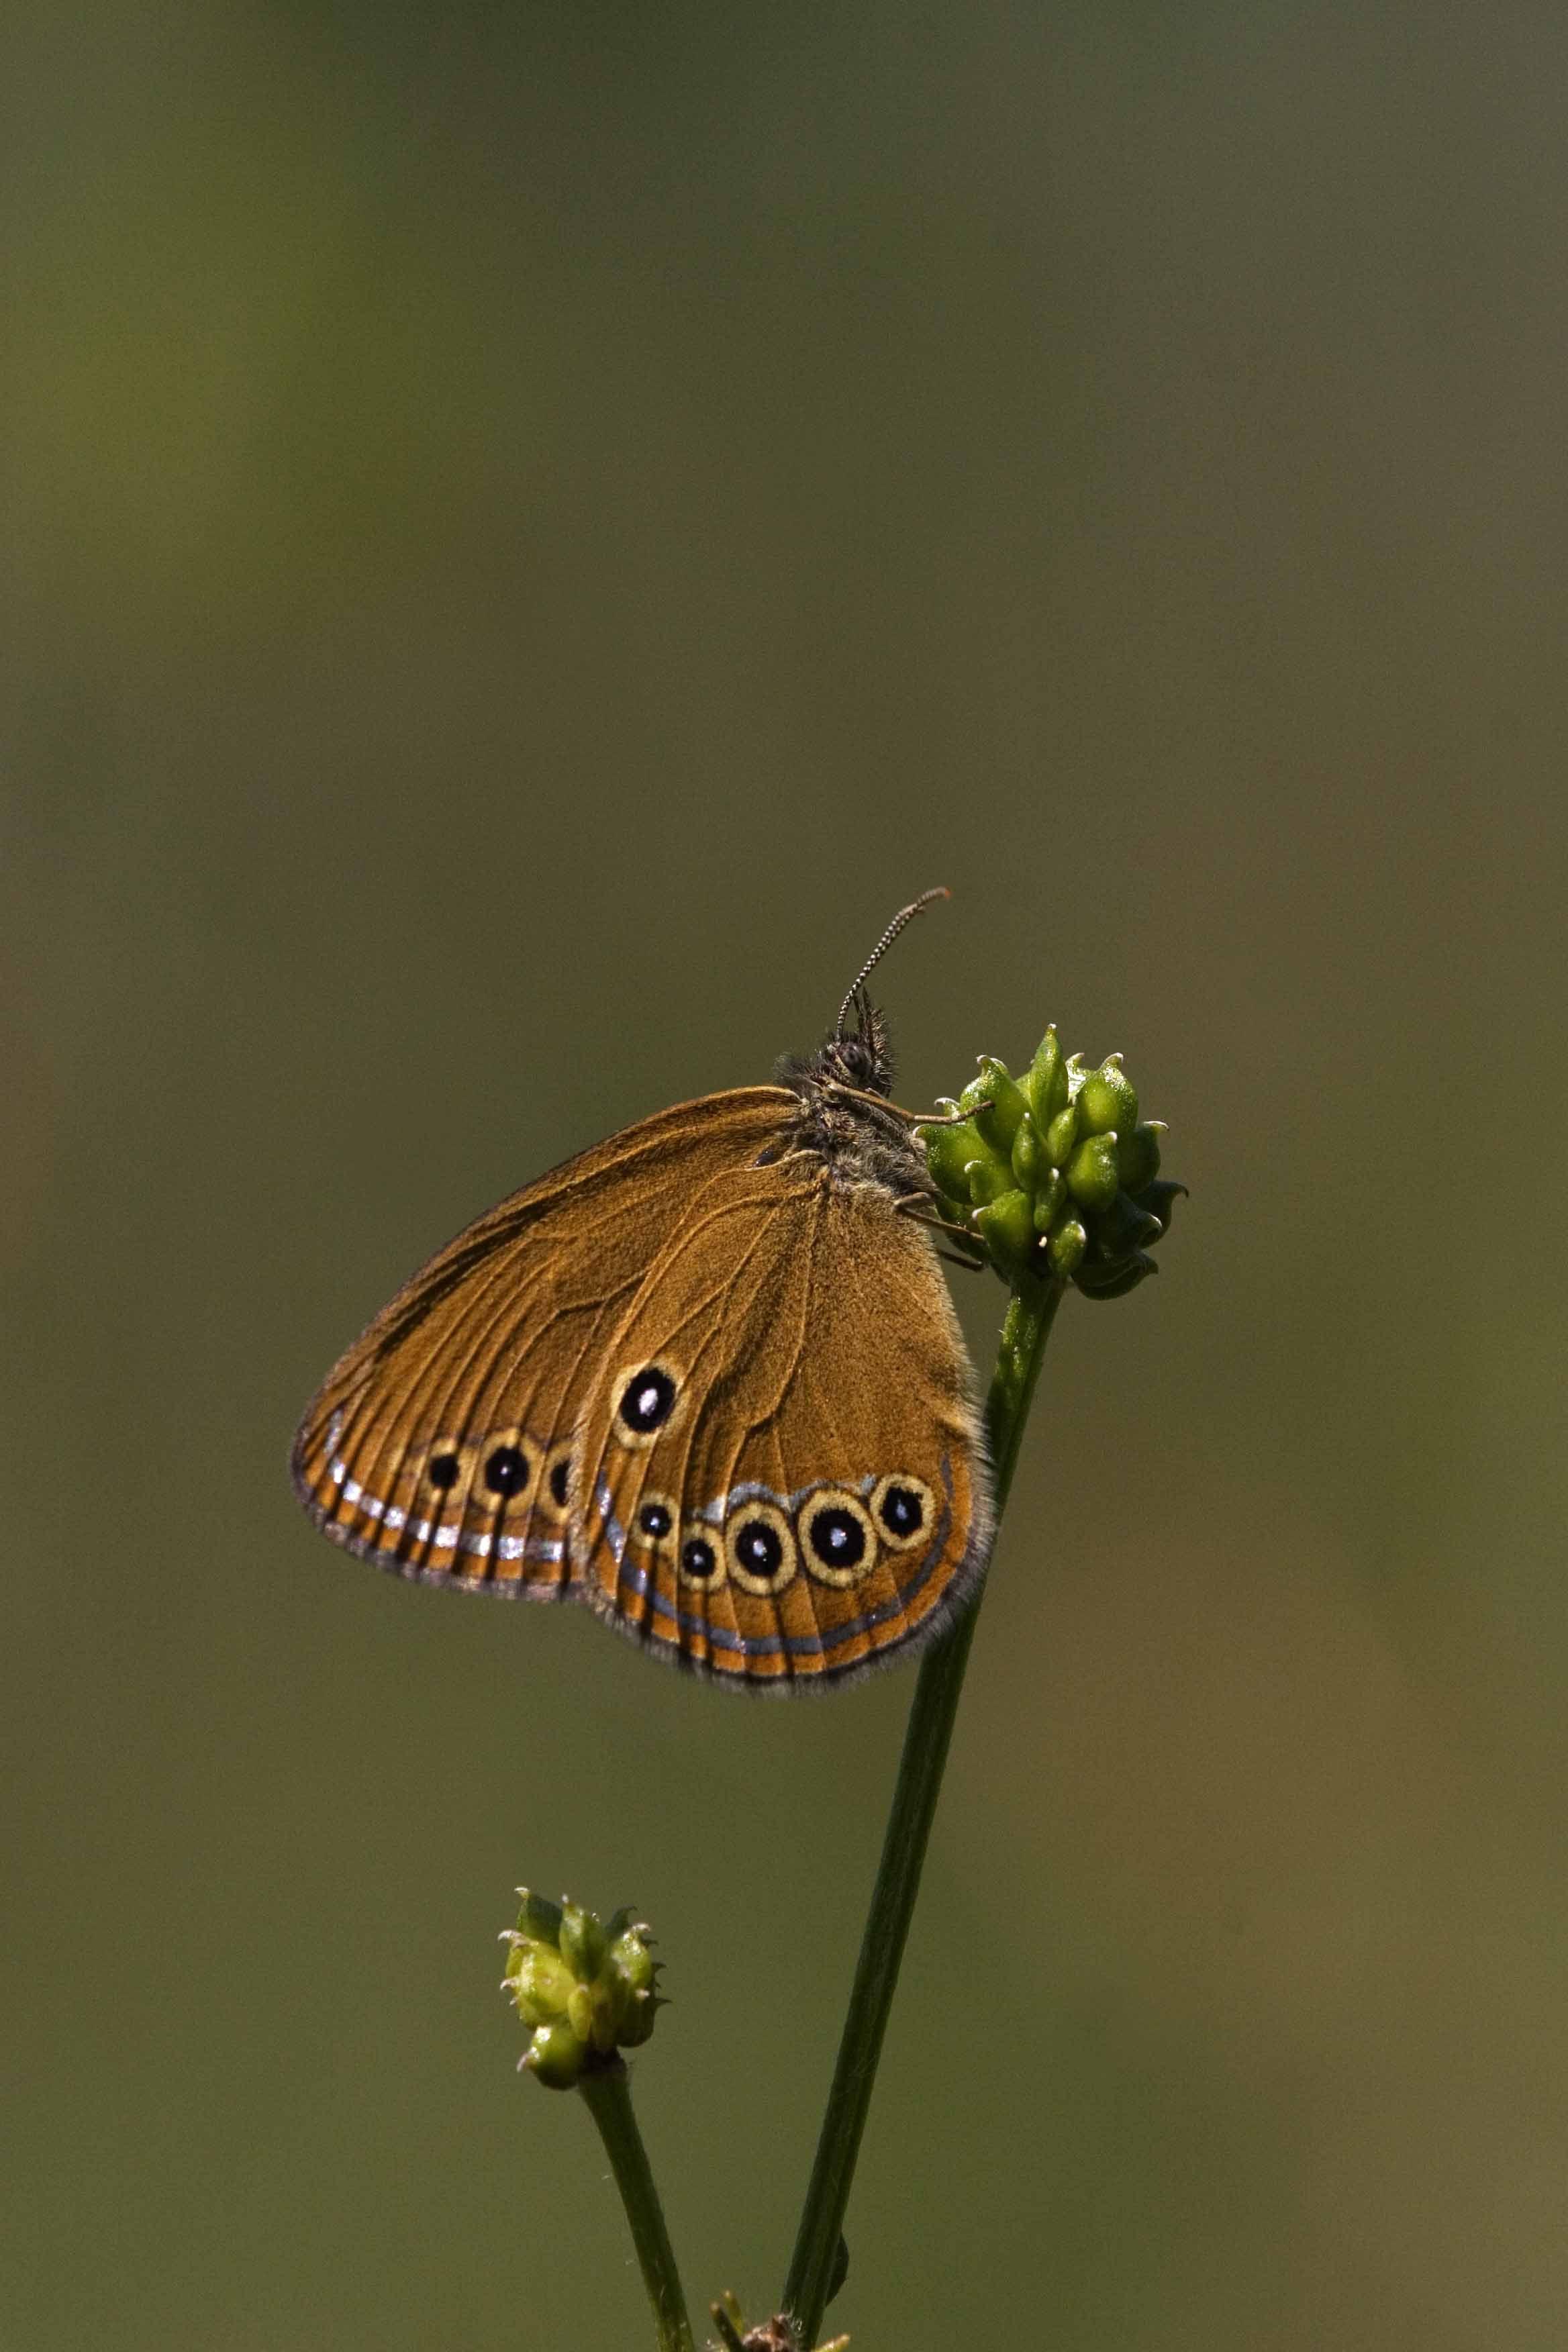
917 1205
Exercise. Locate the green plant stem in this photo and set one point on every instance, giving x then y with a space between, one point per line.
606 2091
1024 1332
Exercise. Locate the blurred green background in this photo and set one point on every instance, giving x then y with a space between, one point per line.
529 532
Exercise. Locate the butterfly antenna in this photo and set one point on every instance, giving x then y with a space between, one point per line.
904 915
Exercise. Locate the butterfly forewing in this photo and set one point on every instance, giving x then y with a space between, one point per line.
443 1444
781 1473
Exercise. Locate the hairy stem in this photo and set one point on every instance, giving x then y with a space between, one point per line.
1022 1345
607 2094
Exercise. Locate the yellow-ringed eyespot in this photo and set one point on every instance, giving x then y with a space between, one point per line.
654 1523
838 1539
507 1468
701 1559
647 1399
445 1472
760 1547
904 1510
554 1500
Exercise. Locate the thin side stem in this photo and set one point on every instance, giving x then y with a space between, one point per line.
935 1705
606 2092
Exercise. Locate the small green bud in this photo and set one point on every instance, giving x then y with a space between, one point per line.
1045 1080
998 1123
1067 1246
538 1919
555 2057
948 1150
1007 1228
580 2012
583 1942
1115 1281
1092 1172
987 1180
540 1982
1107 1099
1027 1158
1061 1135
1049 1198
1160 1199
631 1966
1123 1228
1138 1154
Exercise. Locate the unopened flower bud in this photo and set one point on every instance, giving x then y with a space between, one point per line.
555 2057
1045 1080
1107 1099
540 1982
1006 1226
1067 1246
1003 1104
1091 1173
948 1150
583 1943
987 1180
1061 1135
1027 1155
1138 1154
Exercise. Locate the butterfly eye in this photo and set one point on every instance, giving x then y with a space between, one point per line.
648 1397
699 1562
760 1547
838 1541
654 1523
903 1508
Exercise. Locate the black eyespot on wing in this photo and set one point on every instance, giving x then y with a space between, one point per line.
647 1399
902 1512
759 1547
654 1519
444 1470
698 1560
557 1482
836 1538
507 1470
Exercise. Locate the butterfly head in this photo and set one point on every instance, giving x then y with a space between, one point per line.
861 1056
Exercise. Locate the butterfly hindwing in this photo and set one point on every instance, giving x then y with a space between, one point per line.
443 1444
782 1476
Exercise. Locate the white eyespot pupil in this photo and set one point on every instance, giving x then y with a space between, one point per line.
903 1510
507 1470
648 1399
837 1538
760 1547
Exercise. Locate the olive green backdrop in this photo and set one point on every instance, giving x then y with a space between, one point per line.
530 532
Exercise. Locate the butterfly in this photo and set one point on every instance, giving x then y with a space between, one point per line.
705 1378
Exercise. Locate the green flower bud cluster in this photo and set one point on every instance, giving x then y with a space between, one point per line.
586 1987
1053 1172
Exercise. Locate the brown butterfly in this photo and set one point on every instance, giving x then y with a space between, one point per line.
705 1377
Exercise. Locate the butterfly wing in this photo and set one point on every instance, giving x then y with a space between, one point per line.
442 1445
782 1473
